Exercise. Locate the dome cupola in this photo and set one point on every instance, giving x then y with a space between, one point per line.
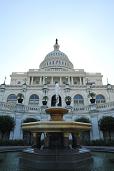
56 59
56 46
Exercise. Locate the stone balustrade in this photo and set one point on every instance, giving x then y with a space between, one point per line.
98 107
12 107
19 108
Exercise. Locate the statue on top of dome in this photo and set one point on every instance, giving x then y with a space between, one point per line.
56 46
56 41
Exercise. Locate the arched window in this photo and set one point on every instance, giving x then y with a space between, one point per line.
100 98
78 99
34 99
12 98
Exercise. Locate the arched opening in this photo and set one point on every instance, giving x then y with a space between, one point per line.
53 101
34 99
100 98
78 100
12 98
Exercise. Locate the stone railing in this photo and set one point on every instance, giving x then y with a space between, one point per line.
7 106
10 107
95 107
105 106
20 108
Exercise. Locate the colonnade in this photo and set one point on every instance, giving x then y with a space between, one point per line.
68 80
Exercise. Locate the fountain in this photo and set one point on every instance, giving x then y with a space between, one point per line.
57 152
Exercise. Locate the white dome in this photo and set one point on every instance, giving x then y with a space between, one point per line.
56 59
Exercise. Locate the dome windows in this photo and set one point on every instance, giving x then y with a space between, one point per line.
56 62
56 58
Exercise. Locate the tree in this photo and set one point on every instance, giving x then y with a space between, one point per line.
106 124
7 124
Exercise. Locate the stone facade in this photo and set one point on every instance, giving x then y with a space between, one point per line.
37 83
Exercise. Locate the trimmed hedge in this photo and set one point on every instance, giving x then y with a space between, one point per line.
12 143
100 142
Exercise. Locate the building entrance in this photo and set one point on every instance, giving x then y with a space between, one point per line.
53 101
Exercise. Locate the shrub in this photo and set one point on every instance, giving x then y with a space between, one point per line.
99 142
12 142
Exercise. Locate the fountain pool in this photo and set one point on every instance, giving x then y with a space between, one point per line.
9 161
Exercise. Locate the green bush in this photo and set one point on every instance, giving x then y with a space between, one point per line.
97 142
12 143
100 142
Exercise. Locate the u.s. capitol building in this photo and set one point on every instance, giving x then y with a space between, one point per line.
38 86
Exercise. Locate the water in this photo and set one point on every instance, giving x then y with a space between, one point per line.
101 162
9 161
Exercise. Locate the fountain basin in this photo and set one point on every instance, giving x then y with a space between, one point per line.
56 126
56 113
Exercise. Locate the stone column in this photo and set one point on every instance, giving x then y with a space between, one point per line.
80 81
72 81
17 133
32 81
76 140
69 80
66 139
84 81
29 80
60 80
46 141
51 80
40 80
36 139
43 80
